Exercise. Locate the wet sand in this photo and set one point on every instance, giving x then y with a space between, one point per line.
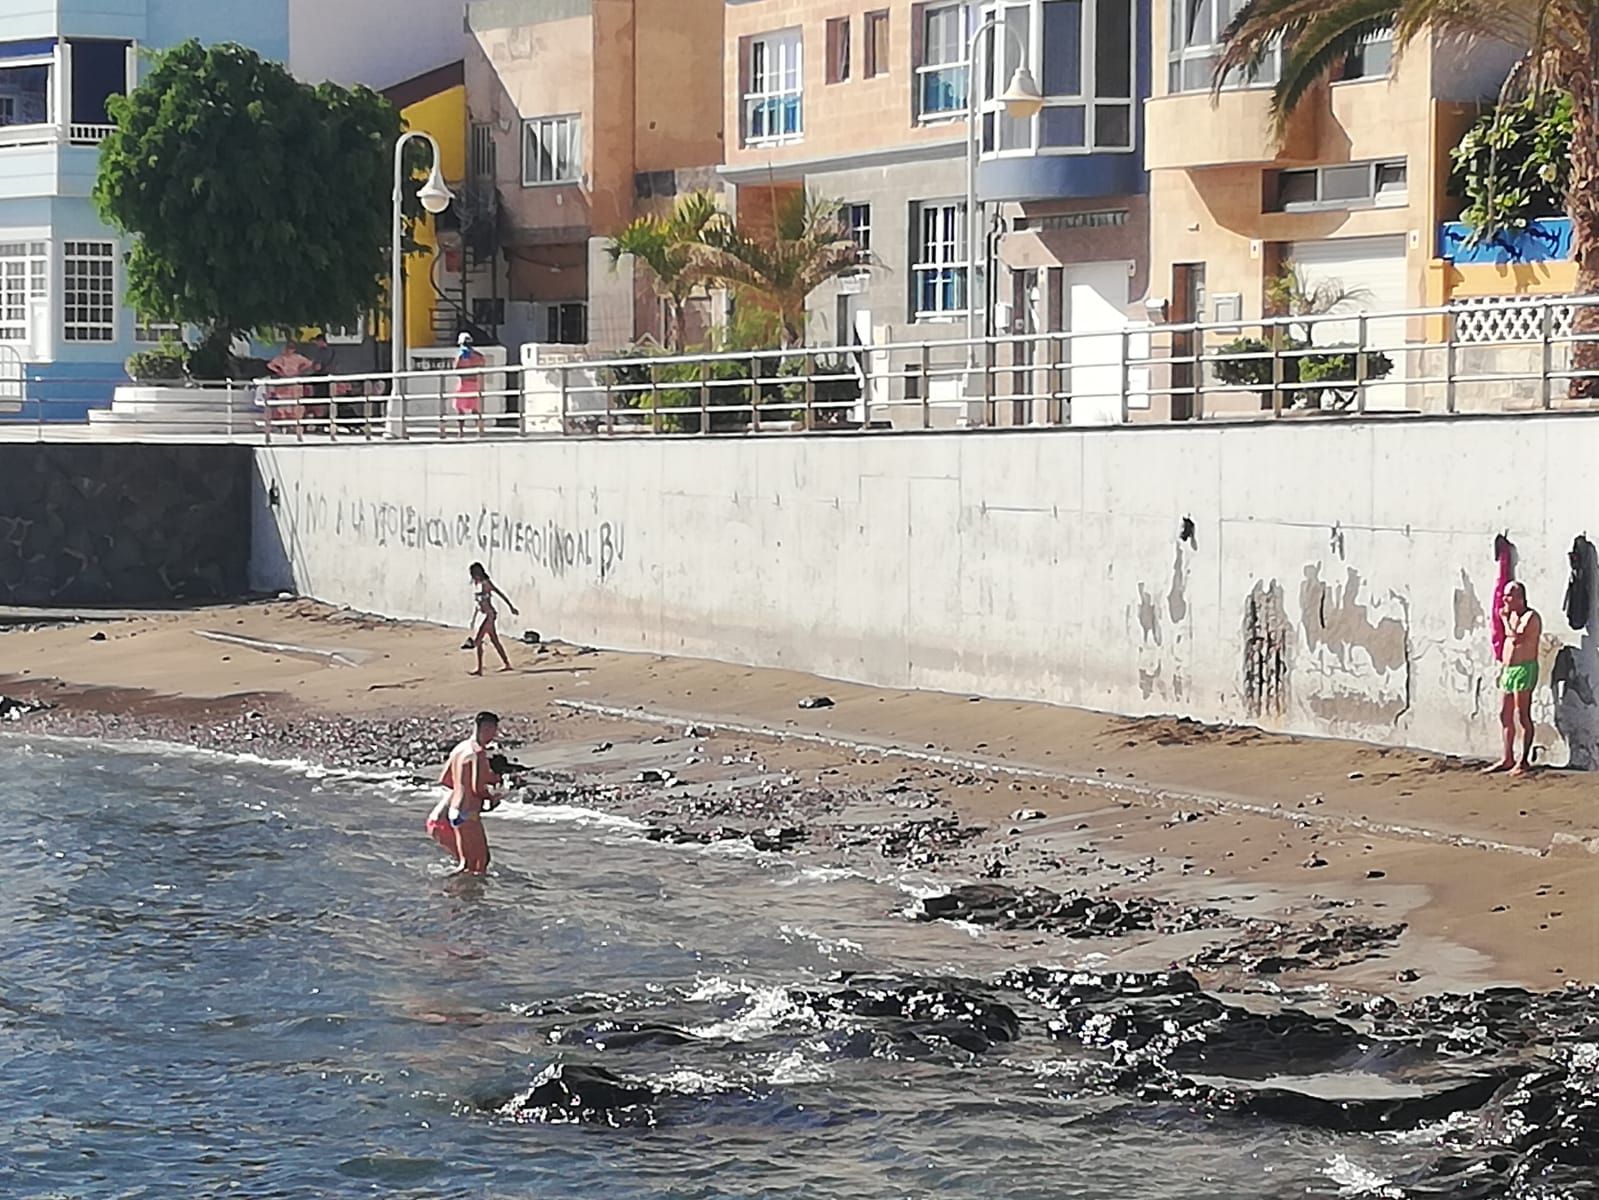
1490 878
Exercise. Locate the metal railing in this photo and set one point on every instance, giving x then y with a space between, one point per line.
1424 362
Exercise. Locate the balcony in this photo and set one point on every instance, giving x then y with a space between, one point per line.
1546 239
1193 130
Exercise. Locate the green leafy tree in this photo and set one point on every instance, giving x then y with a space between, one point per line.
1514 165
1562 37
254 200
671 247
778 265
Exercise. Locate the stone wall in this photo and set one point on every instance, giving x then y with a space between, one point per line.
123 524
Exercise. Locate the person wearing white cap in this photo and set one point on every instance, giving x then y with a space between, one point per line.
469 390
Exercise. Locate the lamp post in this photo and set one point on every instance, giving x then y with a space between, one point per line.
1021 100
435 197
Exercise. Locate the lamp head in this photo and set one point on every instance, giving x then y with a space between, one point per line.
435 195
1022 100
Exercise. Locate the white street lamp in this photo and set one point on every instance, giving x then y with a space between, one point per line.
1022 101
435 196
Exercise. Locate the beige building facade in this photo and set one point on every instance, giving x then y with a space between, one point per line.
583 115
1351 194
865 102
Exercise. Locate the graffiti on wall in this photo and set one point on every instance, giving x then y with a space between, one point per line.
596 549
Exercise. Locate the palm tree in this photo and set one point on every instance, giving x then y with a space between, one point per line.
1562 40
670 246
807 243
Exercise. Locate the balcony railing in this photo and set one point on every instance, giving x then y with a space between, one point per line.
17 136
89 135
1523 355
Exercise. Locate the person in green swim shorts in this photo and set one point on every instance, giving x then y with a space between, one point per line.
1518 676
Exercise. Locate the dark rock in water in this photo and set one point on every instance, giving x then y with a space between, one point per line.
1164 1021
1536 1139
1495 1021
916 1013
15 710
572 1092
1361 1115
622 1035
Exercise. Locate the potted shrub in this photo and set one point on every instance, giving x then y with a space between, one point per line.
1335 365
163 363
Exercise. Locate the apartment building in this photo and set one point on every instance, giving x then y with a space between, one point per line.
1353 193
866 102
584 114
62 316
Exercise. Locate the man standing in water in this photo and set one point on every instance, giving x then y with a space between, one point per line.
456 822
1518 677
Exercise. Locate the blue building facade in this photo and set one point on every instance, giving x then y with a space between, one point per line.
62 311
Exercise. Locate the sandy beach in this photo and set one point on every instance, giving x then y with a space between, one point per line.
1332 863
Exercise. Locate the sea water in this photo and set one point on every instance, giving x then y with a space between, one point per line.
229 979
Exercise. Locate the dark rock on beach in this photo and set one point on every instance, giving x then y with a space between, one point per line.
1000 907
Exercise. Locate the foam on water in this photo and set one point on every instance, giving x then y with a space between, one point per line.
766 1010
1355 1180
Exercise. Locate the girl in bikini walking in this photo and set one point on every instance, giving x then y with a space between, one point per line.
484 621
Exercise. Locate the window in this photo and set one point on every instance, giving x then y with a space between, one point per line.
1196 34
99 70
876 44
25 93
488 312
566 324
552 150
940 268
837 49
859 217
24 270
482 157
942 72
89 292
1345 185
1372 59
773 101
1083 61
150 330
352 334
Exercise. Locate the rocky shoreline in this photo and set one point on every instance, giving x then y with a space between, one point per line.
1513 1071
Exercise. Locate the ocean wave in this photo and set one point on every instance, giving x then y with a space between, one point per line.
794 1067
830 946
819 875
565 814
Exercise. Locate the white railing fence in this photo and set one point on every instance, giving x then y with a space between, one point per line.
1521 355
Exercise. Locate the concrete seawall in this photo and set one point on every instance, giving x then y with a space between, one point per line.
1335 579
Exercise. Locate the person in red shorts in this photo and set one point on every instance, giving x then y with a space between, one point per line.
456 822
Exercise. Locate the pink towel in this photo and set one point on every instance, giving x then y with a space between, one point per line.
1502 549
